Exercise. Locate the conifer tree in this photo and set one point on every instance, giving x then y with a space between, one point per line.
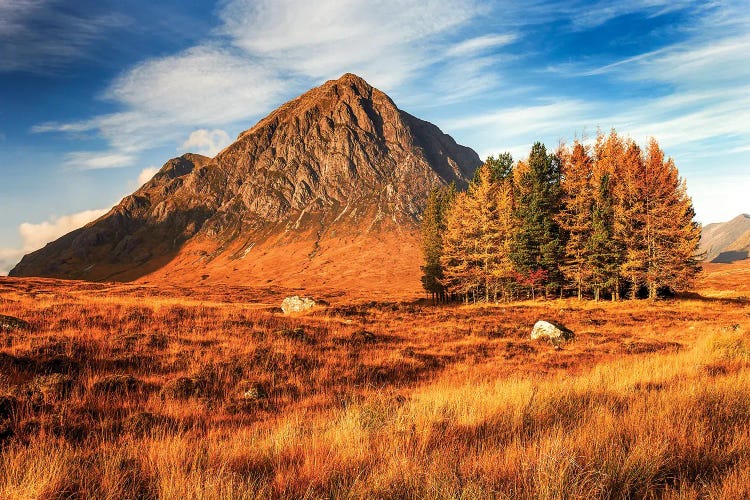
672 237
609 161
606 221
500 168
575 216
630 220
503 270
603 250
538 243
433 227
489 210
460 276
482 212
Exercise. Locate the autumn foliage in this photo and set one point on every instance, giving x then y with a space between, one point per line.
609 219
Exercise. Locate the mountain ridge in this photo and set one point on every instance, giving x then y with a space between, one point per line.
726 242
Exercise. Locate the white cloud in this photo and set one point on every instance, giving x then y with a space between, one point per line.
9 257
146 175
480 44
207 142
35 236
719 199
164 97
92 160
377 40
520 121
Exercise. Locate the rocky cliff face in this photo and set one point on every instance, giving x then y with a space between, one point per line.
339 170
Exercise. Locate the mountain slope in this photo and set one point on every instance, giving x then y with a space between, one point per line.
727 241
326 190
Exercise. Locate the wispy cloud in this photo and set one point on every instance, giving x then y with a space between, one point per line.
42 36
585 15
511 124
481 44
92 160
387 41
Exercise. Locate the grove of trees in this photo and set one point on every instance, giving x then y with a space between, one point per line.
608 220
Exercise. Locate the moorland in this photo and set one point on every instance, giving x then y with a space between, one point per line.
115 390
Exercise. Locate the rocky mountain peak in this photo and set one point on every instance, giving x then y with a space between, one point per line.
337 166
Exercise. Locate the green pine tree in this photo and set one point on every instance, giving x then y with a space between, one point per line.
539 245
433 229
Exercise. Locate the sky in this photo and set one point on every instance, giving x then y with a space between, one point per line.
96 95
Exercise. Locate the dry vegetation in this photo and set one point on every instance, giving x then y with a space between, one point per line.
136 392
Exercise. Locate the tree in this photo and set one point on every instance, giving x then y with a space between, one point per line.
609 221
671 235
603 250
608 163
575 215
630 220
483 218
489 214
433 228
503 269
458 261
500 168
538 243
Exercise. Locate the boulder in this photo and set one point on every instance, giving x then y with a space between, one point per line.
553 332
296 304
9 324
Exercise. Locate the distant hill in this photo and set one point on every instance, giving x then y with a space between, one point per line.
727 241
326 191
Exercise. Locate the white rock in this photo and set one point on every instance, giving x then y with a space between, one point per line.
295 304
550 331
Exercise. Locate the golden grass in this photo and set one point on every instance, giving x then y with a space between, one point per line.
125 391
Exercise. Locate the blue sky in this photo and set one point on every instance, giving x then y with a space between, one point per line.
96 95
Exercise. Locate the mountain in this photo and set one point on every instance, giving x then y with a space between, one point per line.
727 241
327 190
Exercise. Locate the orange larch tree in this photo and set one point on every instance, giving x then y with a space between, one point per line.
575 214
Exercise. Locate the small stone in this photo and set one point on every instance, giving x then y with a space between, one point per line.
296 304
254 392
